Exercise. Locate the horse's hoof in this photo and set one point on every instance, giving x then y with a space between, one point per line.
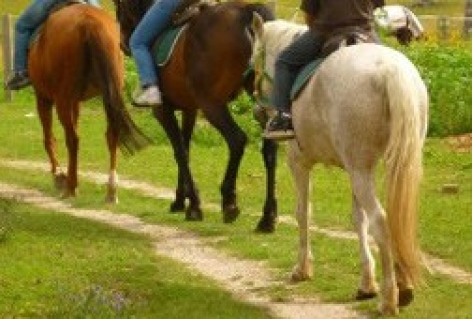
298 275
405 297
363 295
231 212
388 311
194 215
60 181
111 196
111 199
177 207
265 226
68 194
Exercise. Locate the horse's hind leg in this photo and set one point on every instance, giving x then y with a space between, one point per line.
168 121
112 144
368 286
236 139
363 187
300 172
187 127
45 112
68 113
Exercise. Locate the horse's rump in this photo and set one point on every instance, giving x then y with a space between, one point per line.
61 51
347 101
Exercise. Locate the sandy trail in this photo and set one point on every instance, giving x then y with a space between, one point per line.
243 278
435 264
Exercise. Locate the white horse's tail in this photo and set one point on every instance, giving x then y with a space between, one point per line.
403 158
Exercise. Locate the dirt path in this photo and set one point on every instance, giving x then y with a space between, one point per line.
435 264
243 278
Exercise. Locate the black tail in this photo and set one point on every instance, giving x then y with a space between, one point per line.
105 69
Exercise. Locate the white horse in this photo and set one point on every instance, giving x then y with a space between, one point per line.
365 103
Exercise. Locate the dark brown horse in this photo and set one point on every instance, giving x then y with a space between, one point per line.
77 56
204 73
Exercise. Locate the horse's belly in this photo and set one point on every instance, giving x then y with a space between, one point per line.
318 149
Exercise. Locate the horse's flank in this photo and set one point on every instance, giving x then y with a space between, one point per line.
213 64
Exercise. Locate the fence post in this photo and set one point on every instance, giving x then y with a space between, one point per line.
467 30
7 51
443 27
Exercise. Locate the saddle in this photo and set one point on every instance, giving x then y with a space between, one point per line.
164 44
188 9
345 37
339 39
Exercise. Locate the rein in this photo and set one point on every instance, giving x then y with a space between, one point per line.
262 107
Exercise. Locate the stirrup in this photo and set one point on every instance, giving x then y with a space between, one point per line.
279 135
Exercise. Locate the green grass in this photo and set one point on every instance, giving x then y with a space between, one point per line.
445 220
58 266
208 158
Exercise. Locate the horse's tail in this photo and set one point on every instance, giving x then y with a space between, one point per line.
106 68
407 108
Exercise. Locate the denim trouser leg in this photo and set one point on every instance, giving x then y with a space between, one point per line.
152 24
95 3
26 24
287 65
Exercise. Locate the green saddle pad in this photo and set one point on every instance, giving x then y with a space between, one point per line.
164 45
303 77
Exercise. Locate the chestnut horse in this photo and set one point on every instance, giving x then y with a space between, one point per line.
204 73
77 56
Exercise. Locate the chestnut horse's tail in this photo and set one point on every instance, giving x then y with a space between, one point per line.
106 68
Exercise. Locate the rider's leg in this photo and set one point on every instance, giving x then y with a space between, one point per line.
26 24
152 24
289 62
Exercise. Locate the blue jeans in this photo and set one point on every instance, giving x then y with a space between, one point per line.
26 25
152 24
289 62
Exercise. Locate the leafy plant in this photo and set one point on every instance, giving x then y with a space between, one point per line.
447 72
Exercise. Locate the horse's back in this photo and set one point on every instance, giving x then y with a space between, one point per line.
343 114
210 58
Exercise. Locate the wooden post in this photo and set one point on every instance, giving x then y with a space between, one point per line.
467 30
7 51
443 28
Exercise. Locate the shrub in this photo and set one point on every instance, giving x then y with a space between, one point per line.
447 72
